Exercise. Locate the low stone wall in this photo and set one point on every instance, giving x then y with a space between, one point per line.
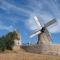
45 49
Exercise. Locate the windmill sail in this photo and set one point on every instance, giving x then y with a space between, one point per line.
37 22
50 22
35 33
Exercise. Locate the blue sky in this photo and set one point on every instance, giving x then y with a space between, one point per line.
18 14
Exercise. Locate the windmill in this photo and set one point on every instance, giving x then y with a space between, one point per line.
44 36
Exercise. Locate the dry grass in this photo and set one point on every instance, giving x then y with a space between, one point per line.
22 55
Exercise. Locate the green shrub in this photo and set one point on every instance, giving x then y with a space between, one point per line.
9 44
7 41
2 45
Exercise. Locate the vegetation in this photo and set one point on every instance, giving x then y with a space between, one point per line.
7 41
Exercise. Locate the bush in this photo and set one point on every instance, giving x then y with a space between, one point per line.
2 45
9 44
7 41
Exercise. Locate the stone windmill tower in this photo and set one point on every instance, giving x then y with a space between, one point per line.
44 36
44 43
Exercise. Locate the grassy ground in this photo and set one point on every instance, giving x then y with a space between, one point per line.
22 55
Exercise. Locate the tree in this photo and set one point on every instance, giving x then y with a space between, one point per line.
10 40
7 41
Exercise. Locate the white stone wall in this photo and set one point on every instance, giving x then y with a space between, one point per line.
16 42
16 46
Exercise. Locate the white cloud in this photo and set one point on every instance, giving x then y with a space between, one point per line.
31 24
45 14
9 28
13 11
48 15
7 6
53 29
53 8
